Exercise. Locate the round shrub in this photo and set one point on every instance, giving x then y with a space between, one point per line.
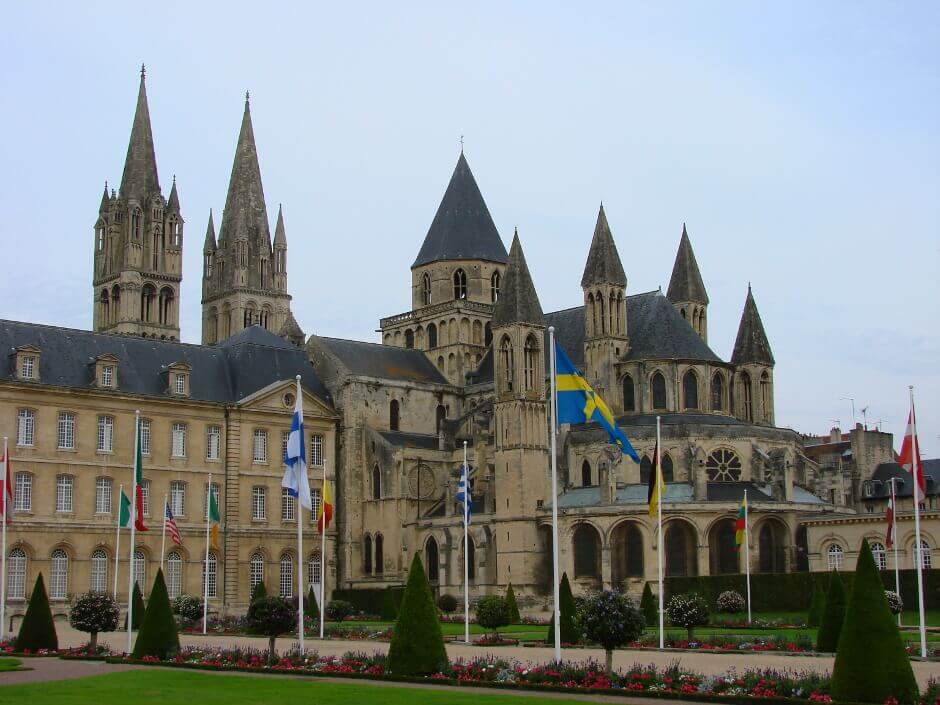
611 619
492 613
895 603
338 610
731 602
94 612
447 603
688 611
271 617
188 607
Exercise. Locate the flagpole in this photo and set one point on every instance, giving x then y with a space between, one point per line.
323 553
163 537
6 508
117 539
205 568
554 469
133 523
660 496
917 471
466 558
747 557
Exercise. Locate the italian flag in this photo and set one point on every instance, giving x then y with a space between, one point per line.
740 525
139 480
325 513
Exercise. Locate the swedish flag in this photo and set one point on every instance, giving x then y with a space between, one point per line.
578 403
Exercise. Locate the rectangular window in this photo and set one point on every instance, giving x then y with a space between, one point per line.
23 492
107 376
145 497
25 427
260 446
105 434
314 505
145 436
103 495
215 493
316 450
210 577
181 384
63 493
66 434
258 509
178 498
29 366
178 449
213 442
287 505
284 436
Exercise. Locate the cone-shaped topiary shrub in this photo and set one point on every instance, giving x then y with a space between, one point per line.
570 632
817 604
37 630
649 606
157 636
311 609
514 617
871 664
827 638
259 592
139 608
417 646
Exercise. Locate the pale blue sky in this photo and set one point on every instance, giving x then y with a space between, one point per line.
799 141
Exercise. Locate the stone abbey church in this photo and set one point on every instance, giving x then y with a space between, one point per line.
465 367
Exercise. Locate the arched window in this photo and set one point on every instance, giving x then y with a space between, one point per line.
255 572
409 339
723 465
658 391
440 415
99 237
612 313
765 404
880 555
432 335
646 467
376 483
530 358
923 552
105 307
591 316
16 574
166 305
140 569
426 289
379 554
600 314
148 295
487 334
367 555
99 571
210 575
626 553
393 415
629 393
634 545
718 392
471 559
286 581
59 575
667 467
174 574
314 569
115 303
431 558
586 551
494 287
506 364
746 391
723 551
585 474
690 390
460 284
834 557
136 218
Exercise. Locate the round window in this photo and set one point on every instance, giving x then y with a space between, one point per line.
723 465
289 400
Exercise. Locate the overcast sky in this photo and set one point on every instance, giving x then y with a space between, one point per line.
799 141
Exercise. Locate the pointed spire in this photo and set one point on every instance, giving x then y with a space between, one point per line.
105 200
462 227
751 345
280 237
210 235
140 178
603 264
173 203
686 282
518 301
245 215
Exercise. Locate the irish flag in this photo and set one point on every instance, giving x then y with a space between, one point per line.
139 479
740 525
124 515
215 519
325 513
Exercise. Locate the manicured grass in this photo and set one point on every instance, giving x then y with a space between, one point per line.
9 664
159 687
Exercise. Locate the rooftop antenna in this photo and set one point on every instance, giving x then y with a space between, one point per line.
865 417
461 144
836 424
853 408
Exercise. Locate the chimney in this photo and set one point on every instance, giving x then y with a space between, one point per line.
835 435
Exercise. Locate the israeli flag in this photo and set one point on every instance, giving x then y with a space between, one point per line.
463 496
295 479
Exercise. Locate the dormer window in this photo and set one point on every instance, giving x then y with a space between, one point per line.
106 369
180 384
29 366
178 379
27 363
107 376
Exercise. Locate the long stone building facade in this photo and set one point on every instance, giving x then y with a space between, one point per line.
463 371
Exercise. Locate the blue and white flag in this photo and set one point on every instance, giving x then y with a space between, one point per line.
464 496
295 479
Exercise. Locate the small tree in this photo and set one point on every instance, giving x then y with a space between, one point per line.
259 591
271 617
871 664
611 619
570 632
188 607
338 610
417 646
447 603
158 635
817 604
730 602
492 613
649 606
37 630
895 603
827 638
94 612
311 608
689 611
512 606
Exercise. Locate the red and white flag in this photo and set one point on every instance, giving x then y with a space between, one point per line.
889 517
909 457
6 489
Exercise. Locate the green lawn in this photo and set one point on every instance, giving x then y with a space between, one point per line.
9 664
159 687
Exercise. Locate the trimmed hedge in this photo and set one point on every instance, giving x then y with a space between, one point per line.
384 602
792 592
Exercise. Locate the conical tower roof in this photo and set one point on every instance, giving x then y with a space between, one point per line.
140 178
280 237
210 235
603 263
173 202
751 345
462 227
686 282
245 215
105 200
518 301
291 330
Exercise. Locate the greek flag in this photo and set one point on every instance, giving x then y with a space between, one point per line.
463 496
295 476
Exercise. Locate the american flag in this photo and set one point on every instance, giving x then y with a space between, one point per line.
171 525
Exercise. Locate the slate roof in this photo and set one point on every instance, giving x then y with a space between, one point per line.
225 373
462 227
676 492
411 440
140 180
734 492
751 343
484 371
886 471
382 361
603 264
518 301
686 282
